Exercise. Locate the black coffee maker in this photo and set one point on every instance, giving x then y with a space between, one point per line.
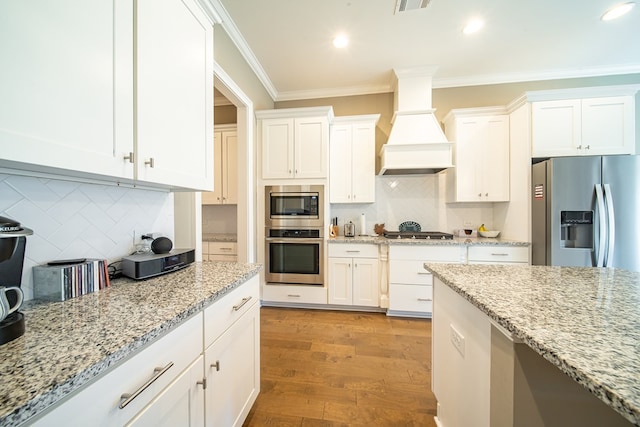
12 245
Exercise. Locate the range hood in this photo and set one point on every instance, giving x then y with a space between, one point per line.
416 144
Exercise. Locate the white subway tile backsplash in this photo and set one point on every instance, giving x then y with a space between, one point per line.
76 220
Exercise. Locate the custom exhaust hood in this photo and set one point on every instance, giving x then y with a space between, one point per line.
416 144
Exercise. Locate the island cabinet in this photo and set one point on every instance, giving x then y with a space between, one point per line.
410 285
352 159
353 275
107 108
225 168
481 155
294 142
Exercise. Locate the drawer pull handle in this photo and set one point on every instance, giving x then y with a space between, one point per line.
226 249
496 254
128 397
425 299
423 273
243 302
355 252
216 365
293 295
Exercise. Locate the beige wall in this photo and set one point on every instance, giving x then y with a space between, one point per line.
225 114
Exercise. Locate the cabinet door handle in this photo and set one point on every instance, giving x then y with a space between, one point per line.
203 383
150 162
243 302
425 299
216 365
128 397
131 157
580 147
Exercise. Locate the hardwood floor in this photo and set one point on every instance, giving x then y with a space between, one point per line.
339 368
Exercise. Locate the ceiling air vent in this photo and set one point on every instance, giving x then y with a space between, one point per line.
403 5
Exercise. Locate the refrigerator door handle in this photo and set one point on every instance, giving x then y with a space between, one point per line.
611 237
602 222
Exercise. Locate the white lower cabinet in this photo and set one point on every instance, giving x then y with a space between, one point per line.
160 365
410 285
220 251
353 275
232 356
178 380
180 404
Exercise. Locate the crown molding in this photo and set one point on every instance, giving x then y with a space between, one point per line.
334 92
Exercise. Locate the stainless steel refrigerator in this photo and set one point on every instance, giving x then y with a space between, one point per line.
586 212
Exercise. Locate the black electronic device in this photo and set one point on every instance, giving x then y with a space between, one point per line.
146 265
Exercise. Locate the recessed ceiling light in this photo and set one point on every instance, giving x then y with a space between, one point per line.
617 11
341 41
473 26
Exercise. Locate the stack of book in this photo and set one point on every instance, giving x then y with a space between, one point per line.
61 282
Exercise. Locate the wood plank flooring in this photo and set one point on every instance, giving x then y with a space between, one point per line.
340 368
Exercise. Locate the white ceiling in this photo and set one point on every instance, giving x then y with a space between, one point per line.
289 42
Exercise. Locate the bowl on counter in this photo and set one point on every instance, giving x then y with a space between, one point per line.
489 233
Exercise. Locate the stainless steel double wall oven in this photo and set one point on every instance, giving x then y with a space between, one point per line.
294 222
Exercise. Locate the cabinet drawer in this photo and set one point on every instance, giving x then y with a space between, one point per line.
214 257
295 294
413 298
409 272
434 253
223 248
498 254
98 403
221 314
353 250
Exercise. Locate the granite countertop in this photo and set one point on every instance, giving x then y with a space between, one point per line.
460 241
585 321
219 237
68 343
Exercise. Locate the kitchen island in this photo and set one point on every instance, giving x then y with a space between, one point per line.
69 345
534 345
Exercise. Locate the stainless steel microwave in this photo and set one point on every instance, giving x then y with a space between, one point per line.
294 206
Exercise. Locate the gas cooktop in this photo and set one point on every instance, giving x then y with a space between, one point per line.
428 235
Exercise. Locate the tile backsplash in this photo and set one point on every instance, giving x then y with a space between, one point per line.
77 220
419 198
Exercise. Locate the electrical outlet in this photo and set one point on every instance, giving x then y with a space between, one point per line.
457 339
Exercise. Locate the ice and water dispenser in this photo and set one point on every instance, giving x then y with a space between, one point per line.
576 229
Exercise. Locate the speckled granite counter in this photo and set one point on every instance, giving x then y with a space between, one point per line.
585 321
67 343
219 237
461 241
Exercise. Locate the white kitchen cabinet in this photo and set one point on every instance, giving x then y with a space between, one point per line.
276 295
67 90
353 275
180 404
225 167
114 106
410 285
586 126
352 159
481 137
174 94
165 361
294 142
220 251
232 356
491 254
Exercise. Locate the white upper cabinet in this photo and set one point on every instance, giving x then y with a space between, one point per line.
294 142
583 125
352 159
174 94
107 91
225 183
481 137
67 86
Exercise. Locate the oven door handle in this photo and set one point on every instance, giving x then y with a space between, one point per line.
293 240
